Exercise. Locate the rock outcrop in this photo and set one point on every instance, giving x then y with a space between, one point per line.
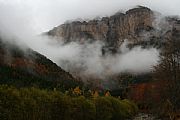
138 25
113 30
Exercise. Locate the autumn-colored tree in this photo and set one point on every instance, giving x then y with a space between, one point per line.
107 94
77 91
95 94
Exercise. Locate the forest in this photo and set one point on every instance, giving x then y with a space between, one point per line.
35 104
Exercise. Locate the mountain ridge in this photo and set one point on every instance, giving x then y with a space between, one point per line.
113 29
27 68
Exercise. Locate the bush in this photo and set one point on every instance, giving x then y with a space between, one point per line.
104 109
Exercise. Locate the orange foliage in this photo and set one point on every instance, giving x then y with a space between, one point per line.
107 94
95 94
77 91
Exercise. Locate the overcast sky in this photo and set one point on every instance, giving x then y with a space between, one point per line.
42 15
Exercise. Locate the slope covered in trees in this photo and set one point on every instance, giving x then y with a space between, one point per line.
36 104
25 68
30 90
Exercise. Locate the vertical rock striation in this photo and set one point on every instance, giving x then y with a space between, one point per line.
113 30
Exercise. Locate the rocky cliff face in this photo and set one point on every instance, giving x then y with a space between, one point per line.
113 30
136 25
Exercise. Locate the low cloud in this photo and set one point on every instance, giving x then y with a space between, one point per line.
87 59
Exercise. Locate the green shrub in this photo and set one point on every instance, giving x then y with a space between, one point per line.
131 105
104 109
82 109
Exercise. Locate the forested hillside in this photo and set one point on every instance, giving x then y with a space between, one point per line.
26 68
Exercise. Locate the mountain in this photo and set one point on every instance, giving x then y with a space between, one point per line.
26 68
112 30
140 26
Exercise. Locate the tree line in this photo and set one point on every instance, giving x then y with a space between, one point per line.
40 104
